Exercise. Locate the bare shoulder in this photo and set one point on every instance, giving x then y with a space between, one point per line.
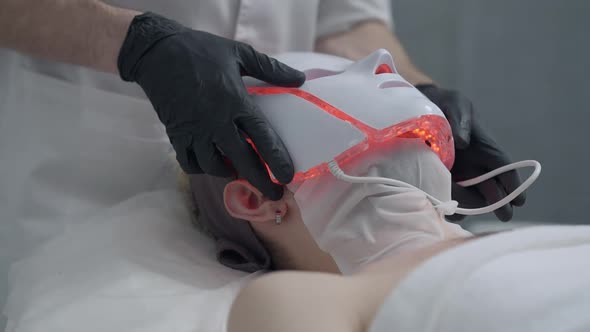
296 301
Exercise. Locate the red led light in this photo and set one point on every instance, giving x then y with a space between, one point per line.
272 177
314 100
434 129
383 69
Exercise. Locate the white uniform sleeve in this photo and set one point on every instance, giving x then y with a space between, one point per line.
340 15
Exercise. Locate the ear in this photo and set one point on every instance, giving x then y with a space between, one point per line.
243 201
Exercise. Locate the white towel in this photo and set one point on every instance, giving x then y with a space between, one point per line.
139 266
535 279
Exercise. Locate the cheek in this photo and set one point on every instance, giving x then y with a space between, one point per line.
292 187
294 217
293 211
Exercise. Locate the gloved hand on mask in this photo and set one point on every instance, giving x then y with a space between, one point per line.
193 80
476 153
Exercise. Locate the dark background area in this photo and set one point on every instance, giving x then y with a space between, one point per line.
525 65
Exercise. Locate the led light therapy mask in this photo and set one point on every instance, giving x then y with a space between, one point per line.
346 109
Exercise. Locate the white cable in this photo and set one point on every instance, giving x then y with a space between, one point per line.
524 186
450 207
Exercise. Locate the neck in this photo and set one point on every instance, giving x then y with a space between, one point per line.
385 225
398 266
381 277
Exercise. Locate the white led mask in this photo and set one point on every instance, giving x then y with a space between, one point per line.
347 108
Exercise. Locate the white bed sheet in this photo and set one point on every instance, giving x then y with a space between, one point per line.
531 279
91 226
139 266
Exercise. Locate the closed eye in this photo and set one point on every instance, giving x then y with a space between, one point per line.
394 84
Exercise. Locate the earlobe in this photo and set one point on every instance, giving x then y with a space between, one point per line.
244 201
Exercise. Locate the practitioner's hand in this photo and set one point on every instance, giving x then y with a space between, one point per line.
476 153
193 80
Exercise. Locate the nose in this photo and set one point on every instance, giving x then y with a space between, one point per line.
384 69
378 62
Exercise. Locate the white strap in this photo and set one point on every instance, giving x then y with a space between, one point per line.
451 207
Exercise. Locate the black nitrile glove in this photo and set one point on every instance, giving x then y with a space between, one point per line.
193 80
476 153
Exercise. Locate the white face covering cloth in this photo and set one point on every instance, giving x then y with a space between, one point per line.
360 223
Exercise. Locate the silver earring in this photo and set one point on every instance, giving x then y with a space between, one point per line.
278 217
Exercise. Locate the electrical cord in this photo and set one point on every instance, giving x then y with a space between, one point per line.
451 207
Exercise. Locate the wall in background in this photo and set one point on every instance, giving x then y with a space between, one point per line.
526 66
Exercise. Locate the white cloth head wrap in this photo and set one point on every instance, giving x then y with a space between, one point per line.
359 223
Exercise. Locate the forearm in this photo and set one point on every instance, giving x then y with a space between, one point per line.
83 32
365 38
